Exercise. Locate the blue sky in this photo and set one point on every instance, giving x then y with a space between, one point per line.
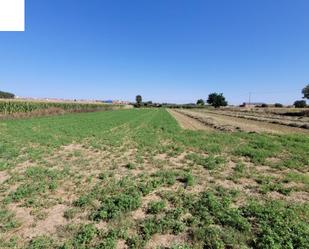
165 50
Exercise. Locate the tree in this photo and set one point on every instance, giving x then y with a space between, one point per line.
300 103
216 100
6 95
138 100
305 91
278 105
148 103
200 102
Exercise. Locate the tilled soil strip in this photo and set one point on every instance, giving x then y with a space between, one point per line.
226 123
208 121
273 120
187 122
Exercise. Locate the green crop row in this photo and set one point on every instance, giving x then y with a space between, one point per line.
11 107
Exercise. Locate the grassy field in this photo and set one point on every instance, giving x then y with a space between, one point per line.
135 179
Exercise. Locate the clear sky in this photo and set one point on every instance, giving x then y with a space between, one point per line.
165 50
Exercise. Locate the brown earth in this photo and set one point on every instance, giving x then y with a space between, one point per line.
188 123
219 121
3 176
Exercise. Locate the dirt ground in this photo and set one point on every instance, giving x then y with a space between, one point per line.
219 121
187 122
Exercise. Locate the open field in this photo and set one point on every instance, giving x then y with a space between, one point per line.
293 117
136 179
224 120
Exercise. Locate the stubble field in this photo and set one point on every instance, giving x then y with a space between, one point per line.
136 179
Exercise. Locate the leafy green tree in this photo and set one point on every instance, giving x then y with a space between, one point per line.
300 103
6 95
278 105
138 100
305 91
200 102
216 100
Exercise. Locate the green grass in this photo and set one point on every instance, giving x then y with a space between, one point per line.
105 167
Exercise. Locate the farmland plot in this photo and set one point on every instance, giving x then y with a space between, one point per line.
222 120
300 122
18 108
135 179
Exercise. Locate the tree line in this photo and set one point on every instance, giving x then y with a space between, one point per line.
6 95
217 100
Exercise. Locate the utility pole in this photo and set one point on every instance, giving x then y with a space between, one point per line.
249 98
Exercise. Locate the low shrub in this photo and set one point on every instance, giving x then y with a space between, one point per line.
41 242
300 104
278 105
115 205
211 162
155 207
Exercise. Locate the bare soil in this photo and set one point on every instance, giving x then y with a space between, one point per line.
187 122
223 122
3 176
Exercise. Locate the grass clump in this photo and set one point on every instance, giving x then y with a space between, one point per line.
258 148
155 207
70 213
41 242
188 179
170 222
130 166
117 204
210 162
7 220
38 180
269 184
166 177
279 225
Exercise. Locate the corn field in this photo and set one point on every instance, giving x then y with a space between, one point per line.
11 107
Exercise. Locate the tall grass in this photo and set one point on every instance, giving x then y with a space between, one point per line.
11 107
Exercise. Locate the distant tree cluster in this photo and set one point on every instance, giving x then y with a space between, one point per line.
216 100
138 100
200 102
300 104
305 92
6 95
139 103
278 105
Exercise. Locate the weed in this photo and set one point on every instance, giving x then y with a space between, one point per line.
41 242
279 225
70 213
113 206
7 220
268 184
211 162
131 166
155 207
